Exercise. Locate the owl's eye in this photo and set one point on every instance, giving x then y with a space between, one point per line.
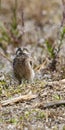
19 51
25 50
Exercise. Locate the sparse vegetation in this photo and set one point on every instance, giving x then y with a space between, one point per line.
10 34
31 25
53 50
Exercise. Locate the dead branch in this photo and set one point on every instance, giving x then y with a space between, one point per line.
3 55
22 17
57 82
18 99
50 104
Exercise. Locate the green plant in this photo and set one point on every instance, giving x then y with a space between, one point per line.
50 49
10 33
0 4
62 34
57 97
14 16
13 121
63 127
53 51
4 33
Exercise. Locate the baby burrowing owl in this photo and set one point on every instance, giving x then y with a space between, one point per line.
22 65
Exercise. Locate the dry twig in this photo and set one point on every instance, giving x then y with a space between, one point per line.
50 104
18 99
3 55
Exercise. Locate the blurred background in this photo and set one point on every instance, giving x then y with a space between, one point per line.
30 23
40 19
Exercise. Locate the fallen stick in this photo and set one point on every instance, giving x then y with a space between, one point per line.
50 104
57 82
3 55
18 99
